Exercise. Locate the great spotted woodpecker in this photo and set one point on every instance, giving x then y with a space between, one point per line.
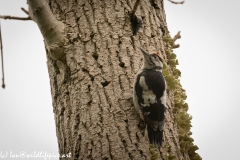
149 96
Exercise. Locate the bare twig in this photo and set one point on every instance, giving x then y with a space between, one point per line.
24 10
15 18
3 84
176 2
177 36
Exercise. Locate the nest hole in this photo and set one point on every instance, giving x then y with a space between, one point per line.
122 64
136 23
105 83
95 56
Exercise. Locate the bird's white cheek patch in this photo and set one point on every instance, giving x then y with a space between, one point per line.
148 98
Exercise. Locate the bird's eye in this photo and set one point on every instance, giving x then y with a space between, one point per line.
156 57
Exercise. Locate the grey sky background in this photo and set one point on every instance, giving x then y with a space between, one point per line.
209 62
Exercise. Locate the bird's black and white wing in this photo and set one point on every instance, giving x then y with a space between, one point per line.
150 96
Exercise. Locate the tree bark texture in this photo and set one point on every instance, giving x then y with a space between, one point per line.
92 85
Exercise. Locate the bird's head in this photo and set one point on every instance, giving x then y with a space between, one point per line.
151 61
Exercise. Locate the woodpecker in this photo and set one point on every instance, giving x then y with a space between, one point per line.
149 96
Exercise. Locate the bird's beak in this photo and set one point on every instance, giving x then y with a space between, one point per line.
145 53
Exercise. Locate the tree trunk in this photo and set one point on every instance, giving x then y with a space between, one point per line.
91 84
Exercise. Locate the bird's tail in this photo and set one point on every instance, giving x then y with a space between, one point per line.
155 137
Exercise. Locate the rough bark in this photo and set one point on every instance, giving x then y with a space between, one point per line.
91 85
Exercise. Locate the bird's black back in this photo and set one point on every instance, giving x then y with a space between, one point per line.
155 82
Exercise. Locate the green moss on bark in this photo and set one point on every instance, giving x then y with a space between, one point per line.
182 118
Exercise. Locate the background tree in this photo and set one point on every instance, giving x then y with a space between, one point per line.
92 59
